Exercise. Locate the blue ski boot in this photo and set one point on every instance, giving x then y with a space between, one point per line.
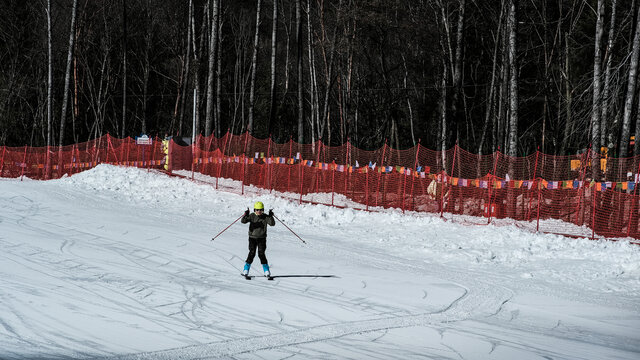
247 266
265 268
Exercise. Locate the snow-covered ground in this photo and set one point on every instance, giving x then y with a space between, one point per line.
119 263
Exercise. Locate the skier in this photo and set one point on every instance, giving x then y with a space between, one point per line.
258 222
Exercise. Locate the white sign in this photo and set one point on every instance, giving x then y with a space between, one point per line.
144 140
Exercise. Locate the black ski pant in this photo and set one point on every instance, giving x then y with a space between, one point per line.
261 244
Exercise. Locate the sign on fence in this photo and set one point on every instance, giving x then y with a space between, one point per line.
144 140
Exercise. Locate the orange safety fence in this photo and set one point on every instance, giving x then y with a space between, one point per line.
583 195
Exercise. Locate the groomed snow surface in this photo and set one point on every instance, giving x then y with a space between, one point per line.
118 263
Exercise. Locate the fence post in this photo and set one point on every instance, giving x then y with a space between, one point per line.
155 151
404 187
593 214
381 166
631 206
126 140
453 169
72 163
495 165
583 164
267 175
108 146
24 162
115 155
366 188
333 176
289 167
539 202
535 170
440 179
78 157
193 155
204 165
301 181
346 171
413 175
318 163
243 169
4 149
222 152
124 152
244 151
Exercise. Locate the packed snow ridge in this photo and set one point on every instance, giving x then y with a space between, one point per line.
118 262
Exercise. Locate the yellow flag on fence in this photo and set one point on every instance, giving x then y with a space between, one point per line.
575 164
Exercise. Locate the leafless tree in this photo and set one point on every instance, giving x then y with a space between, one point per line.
274 52
607 127
124 68
67 76
254 65
299 47
513 81
49 79
631 90
597 81
213 45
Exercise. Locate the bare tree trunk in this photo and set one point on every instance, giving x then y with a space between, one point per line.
631 88
491 100
326 117
299 66
185 77
513 83
67 76
274 49
213 45
238 86
597 68
605 123
409 107
312 75
443 114
196 60
501 127
49 78
637 133
124 68
218 114
457 67
568 128
146 69
254 65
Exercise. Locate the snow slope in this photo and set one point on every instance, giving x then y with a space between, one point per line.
117 263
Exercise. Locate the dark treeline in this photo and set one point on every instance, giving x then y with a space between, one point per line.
514 75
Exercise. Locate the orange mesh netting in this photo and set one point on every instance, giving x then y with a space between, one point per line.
582 195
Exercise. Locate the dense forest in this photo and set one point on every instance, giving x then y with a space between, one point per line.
508 75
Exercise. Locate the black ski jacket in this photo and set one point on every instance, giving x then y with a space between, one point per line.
258 224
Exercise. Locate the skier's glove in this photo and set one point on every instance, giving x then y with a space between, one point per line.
246 213
271 212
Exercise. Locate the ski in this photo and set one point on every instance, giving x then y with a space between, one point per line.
249 277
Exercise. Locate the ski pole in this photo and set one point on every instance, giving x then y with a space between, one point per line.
225 229
285 225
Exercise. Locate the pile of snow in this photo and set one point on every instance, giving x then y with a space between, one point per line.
599 265
115 261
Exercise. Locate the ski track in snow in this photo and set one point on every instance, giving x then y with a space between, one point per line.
187 296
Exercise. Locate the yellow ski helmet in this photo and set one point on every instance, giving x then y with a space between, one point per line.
258 205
